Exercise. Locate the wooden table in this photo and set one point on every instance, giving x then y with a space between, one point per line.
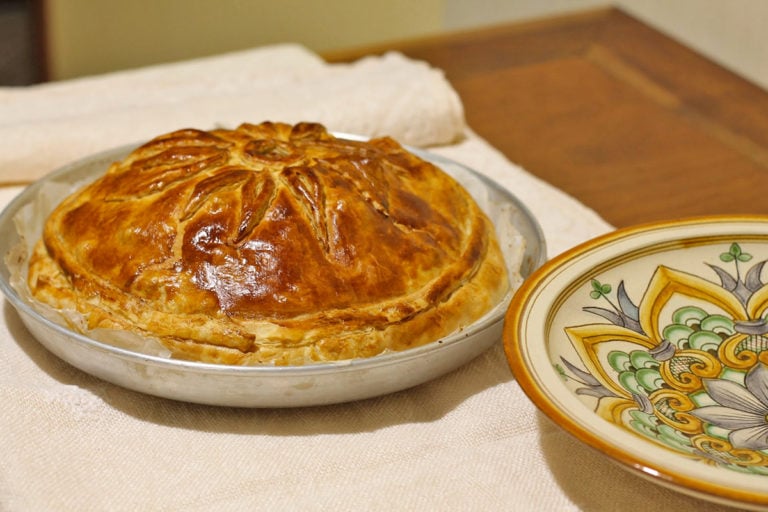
628 121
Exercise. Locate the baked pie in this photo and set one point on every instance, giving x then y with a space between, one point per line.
271 243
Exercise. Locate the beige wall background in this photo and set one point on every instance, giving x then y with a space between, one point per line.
95 36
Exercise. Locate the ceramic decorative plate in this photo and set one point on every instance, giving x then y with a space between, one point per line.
651 345
267 386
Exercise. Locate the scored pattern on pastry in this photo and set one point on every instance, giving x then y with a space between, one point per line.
271 243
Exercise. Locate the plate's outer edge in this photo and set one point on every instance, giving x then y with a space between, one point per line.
309 385
515 347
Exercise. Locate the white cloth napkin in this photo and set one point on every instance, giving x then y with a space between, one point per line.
470 440
42 127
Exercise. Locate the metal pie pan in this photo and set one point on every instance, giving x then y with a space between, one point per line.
273 386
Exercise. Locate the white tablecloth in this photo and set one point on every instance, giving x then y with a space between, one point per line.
470 440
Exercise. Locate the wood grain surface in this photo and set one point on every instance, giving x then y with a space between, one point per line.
622 117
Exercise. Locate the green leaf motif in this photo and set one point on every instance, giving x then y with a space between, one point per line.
689 315
705 340
718 323
641 359
735 254
649 379
619 360
675 439
599 289
628 381
677 334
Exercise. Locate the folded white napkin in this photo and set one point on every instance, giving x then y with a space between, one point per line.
469 440
45 126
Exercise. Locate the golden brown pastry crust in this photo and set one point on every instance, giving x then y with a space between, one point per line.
271 243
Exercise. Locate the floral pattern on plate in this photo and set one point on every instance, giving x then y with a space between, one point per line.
687 365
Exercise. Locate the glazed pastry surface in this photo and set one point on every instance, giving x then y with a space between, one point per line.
271 243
